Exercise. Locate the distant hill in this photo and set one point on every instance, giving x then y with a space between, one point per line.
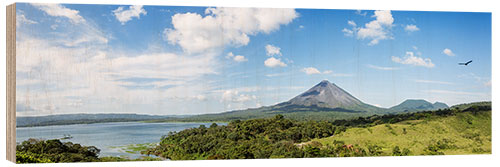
66 119
418 105
324 101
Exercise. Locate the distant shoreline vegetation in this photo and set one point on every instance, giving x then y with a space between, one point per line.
461 129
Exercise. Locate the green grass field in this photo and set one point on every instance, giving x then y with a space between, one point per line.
463 133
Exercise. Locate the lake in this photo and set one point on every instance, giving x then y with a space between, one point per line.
111 138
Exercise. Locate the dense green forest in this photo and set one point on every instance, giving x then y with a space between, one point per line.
50 151
461 129
280 137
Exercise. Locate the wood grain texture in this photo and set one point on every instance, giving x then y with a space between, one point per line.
11 82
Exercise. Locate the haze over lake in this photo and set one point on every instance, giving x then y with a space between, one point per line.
106 136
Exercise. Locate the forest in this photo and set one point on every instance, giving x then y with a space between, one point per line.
280 137
461 129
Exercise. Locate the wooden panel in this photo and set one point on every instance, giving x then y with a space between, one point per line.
11 82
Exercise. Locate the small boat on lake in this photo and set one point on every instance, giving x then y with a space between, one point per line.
67 136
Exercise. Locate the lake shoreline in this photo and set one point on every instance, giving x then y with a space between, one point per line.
109 136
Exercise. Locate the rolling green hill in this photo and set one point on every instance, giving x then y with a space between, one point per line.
461 133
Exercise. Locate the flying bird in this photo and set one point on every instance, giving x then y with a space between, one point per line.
465 63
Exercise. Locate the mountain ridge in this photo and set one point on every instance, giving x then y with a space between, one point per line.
418 105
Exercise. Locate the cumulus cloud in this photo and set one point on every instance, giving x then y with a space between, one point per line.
76 60
235 97
273 62
58 10
126 15
448 52
378 29
311 70
411 59
224 26
411 28
273 50
236 58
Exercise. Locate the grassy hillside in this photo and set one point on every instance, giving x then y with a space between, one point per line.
463 133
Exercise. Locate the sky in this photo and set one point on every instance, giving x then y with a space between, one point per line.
170 60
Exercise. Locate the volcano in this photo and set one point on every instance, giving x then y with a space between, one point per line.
324 101
328 96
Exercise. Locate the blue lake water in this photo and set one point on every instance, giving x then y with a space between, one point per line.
106 136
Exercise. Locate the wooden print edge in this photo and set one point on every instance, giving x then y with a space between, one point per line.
11 82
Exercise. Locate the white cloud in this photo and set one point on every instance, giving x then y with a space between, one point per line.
410 59
348 32
21 19
172 66
235 97
311 70
411 28
58 10
54 26
359 12
273 50
381 68
92 74
71 35
415 47
378 29
236 58
351 23
126 15
434 82
301 27
273 62
224 26
240 58
448 52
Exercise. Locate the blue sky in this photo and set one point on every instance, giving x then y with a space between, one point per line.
192 60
